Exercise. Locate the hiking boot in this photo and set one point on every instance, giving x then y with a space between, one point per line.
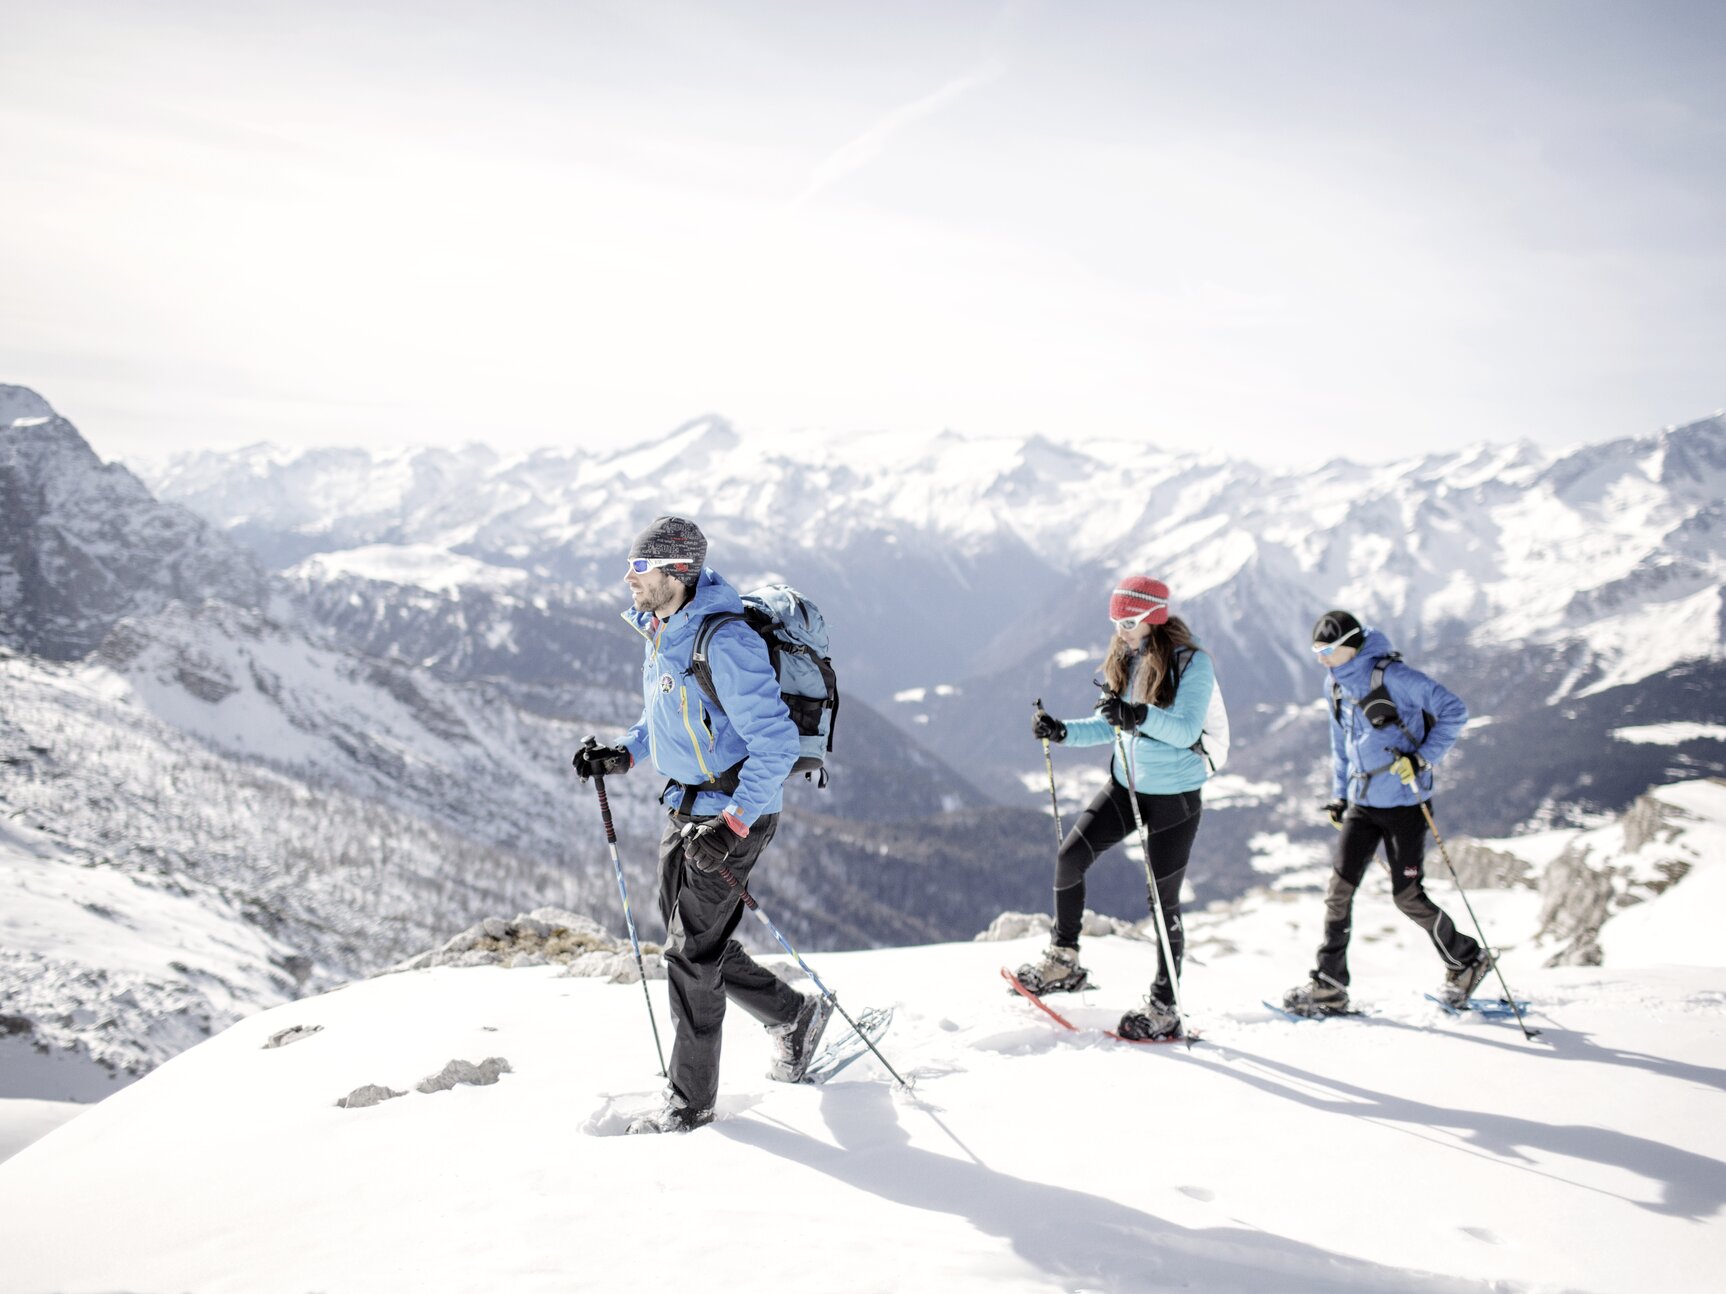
1459 984
674 1116
1058 972
1316 997
1152 1022
794 1044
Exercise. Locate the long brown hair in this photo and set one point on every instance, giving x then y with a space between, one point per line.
1157 678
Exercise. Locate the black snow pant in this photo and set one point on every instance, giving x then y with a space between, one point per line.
1173 821
703 963
1402 828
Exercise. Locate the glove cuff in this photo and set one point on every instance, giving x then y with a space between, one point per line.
729 817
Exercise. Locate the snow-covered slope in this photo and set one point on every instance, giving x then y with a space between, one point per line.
1403 1152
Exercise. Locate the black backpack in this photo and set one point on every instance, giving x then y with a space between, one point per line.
1377 705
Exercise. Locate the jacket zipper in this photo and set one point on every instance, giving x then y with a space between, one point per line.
694 741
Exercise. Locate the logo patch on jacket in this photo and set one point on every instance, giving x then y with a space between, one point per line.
666 683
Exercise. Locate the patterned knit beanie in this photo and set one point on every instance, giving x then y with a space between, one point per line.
1137 594
674 537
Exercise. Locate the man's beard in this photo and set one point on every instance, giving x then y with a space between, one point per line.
667 602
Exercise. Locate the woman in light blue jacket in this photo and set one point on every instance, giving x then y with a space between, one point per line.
1158 690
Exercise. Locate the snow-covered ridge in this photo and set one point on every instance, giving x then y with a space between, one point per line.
1504 544
414 565
1585 1159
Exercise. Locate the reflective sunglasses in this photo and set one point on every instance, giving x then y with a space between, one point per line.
642 565
1131 622
1325 649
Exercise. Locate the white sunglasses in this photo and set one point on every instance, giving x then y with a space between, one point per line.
1132 622
642 565
1325 649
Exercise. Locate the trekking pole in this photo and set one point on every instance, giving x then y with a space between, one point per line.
1060 834
750 903
1444 853
1165 950
628 917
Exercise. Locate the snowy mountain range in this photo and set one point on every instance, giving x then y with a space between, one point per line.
319 706
1564 596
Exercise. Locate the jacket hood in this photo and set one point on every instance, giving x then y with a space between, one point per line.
1357 672
712 593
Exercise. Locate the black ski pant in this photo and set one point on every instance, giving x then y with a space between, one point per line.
1173 822
703 963
1402 829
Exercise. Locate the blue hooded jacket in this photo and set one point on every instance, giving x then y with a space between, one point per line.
691 740
1361 754
1164 762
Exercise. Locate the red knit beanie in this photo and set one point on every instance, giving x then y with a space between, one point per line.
1137 594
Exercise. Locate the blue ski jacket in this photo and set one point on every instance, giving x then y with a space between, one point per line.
1361 754
691 740
1163 761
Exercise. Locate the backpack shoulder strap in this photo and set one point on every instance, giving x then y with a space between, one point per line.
1378 668
699 667
1198 747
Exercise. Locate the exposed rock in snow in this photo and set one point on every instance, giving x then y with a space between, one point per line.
1016 925
465 1071
297 1033
536 938
1601 873
367 1095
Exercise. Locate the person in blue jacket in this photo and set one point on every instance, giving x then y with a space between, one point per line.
727 764
1158 690
1389 725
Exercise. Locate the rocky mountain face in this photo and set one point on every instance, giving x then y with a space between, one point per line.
83 543
1601 873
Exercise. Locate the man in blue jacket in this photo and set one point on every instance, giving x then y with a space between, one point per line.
1389 724
727 764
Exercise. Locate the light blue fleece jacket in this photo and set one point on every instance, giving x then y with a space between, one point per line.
687 737
1162 759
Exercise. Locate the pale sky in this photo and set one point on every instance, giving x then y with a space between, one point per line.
1283 230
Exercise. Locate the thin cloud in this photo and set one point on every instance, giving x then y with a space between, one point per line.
865 148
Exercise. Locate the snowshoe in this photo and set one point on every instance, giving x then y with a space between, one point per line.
1058 972
1460 983
794 1044
1153 1022
674 1116
1317 997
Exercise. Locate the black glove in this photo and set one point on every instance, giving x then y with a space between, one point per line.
707 845
1334 811
1407 767
1045 727
1121 713
604 761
